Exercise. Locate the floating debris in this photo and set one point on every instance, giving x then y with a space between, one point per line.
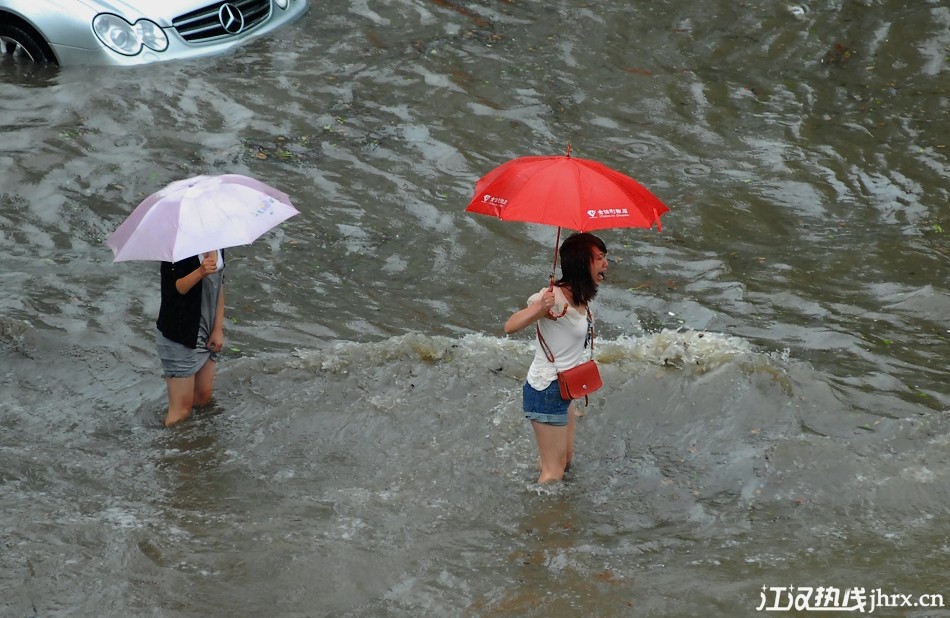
839 54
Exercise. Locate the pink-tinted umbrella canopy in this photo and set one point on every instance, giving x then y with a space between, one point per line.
197 215
578 194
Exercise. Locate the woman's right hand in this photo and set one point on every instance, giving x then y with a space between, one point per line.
546 302
531 313
209 265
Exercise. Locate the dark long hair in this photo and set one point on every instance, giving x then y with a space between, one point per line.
576 254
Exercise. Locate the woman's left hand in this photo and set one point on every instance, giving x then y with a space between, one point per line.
216 341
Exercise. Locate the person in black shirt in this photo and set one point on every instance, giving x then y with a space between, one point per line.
190 330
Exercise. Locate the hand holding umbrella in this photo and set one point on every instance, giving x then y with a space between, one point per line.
209 265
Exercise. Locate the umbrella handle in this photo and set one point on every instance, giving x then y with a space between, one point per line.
551 312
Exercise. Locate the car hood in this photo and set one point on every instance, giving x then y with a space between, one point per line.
160 12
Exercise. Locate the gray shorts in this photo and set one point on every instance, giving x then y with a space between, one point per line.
179 361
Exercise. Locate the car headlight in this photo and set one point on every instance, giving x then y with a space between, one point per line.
282 3
128 39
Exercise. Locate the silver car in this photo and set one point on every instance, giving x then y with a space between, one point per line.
130 32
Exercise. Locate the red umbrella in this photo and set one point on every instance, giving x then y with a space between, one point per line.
578 194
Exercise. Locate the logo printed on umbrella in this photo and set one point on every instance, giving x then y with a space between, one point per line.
267 207
606 213
492 199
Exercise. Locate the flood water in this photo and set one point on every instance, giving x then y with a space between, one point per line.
775 409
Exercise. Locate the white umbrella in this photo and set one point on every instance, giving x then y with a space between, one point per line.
197 215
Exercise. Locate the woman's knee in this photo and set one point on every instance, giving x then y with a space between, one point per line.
204 383
202 396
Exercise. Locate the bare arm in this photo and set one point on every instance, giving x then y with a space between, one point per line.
208 266
530 314
216 340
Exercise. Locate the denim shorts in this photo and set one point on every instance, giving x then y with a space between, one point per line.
545 406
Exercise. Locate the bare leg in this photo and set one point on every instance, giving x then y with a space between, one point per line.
552 445
181 399
204 383
571 415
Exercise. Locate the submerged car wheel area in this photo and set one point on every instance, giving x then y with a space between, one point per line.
18 42
133 32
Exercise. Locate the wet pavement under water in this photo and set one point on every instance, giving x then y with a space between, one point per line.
775 360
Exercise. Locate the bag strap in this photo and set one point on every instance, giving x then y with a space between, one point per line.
590 334
590 330
544 344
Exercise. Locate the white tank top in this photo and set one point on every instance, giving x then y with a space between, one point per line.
565 338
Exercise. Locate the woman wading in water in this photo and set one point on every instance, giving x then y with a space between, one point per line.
190 330
583 266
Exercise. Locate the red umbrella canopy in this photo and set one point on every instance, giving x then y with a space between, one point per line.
578 194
